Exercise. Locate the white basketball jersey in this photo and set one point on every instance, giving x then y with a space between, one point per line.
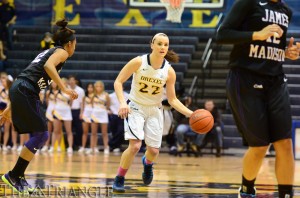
147 85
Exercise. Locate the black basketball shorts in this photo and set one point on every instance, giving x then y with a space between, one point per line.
260 105
28 114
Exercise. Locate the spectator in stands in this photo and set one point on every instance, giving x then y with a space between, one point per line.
183 128
2 56
47 41
101 105
7 20
215 134
6 81
86 113
116 124
76 106
62 114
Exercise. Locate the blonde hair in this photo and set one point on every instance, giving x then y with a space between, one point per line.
99 82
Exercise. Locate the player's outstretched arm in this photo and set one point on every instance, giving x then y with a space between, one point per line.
171 95
131 67
55 59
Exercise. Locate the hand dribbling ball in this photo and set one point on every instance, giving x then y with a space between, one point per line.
201 121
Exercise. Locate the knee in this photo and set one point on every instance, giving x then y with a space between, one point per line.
153 151
43 137
259 152
181 129
283 146
135 147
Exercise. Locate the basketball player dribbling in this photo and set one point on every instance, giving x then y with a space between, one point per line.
25 107
143 112
257 88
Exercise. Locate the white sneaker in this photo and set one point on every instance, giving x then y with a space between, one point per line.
14 148
20 148
5 149
44 149
81 150
88 151
117 150
69 150
95 150
106 151
51 150
244 195
59 149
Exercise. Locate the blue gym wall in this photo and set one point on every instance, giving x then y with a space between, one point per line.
115 13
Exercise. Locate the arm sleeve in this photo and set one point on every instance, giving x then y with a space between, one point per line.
229 31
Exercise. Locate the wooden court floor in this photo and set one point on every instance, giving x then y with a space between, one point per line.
62 175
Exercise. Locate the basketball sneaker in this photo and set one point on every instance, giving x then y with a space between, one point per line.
15 184
26 185
118 185
245 195
148 172
81 150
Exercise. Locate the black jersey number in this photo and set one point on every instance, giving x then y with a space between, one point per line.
144 89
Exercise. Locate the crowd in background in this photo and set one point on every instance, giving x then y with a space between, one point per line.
93 110
96 109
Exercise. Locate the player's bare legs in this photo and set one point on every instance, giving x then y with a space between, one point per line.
252 162
129 154
284 165
126 161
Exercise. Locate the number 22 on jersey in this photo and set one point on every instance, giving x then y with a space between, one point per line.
150 90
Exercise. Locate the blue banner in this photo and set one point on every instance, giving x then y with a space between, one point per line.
116 13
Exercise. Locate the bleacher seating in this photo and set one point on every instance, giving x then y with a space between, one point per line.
101 53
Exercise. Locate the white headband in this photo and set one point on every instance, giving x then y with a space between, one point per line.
158 34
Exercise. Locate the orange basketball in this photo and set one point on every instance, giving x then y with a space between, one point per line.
201 121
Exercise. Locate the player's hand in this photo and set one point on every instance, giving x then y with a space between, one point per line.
71 93
292 51
270 30
5 116
123 111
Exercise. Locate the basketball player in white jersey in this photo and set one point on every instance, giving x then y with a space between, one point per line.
143 114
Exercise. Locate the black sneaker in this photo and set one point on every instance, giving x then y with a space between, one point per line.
15 184
118 185
148 172
26 185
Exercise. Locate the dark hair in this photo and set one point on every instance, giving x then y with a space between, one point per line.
86 88
72 76
171 56
63 35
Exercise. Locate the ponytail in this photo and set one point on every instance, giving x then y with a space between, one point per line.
64 34
172 56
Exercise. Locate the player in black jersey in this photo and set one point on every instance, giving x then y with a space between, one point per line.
25 106
257 88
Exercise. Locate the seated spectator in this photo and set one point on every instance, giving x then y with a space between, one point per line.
215 134
7 20
183 128
47 41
